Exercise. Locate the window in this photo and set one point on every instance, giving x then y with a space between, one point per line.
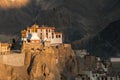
28 40
56 36
59 36
40 37
35 30
46 33
56 47
52 35
32 48
41 34
46 30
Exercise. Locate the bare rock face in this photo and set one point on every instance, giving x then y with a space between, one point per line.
49 63
53 63
19 73
13 73
27 59
5 72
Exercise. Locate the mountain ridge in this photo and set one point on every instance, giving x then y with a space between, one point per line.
76 19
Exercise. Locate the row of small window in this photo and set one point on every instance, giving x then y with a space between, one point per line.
47 30
57 36
32 30
46 34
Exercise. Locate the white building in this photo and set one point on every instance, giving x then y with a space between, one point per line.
115 59
36 34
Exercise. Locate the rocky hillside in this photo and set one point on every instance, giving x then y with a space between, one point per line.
106 43
49 63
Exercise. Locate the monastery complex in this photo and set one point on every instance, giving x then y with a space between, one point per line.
42 55
35 37
41 35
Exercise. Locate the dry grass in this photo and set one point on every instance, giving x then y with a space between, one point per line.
6 4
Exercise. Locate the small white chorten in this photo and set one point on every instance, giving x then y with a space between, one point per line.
34 36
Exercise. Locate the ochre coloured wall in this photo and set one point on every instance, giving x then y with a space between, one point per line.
12 59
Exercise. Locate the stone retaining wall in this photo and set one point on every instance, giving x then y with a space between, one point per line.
12 59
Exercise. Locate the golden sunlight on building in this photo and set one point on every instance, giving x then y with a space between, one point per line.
6 4
4 48
43 34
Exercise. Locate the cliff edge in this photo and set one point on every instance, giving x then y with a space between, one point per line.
47 63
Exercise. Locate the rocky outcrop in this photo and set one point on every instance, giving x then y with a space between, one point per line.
13 73
5 72
49 63
53 63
